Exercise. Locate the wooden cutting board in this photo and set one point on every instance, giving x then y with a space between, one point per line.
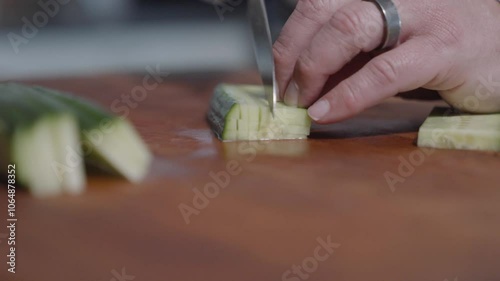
357 201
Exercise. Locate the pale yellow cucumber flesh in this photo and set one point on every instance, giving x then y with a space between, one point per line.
448 130
68 165
118 149
240 112
32 153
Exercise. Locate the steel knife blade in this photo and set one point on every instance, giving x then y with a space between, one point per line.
263 49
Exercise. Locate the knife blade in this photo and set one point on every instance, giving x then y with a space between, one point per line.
263 49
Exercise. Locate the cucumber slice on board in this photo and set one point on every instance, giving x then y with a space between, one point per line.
33 136
240 112
109 142
447 129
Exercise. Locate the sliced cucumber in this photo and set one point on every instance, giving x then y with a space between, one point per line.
33 136
240 112
109 142
46 134
450 130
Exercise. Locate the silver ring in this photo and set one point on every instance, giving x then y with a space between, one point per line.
392 23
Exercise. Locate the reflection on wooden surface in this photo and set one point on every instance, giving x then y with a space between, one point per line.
251 149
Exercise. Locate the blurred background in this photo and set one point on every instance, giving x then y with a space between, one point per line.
57 38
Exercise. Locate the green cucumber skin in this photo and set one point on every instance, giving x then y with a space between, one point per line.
89 115
16 113
216 118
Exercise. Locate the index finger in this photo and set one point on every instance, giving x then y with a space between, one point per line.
398 70
306 20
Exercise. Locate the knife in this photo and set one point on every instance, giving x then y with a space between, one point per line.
263 49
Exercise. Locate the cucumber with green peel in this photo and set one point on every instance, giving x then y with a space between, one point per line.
32 133
26 146
451 130
241 112
69 164
109 142
48 135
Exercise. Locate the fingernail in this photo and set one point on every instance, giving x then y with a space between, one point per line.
318 110
292 94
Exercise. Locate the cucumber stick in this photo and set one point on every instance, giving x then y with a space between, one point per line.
109 142
50 136
241 112
449 130
33 135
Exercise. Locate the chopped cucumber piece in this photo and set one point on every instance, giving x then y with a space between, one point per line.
47 134
240 112
450 130
33 134
109 142
70 165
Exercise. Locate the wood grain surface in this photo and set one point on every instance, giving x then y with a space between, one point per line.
272 205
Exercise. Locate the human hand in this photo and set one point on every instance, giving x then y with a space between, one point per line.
452 46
